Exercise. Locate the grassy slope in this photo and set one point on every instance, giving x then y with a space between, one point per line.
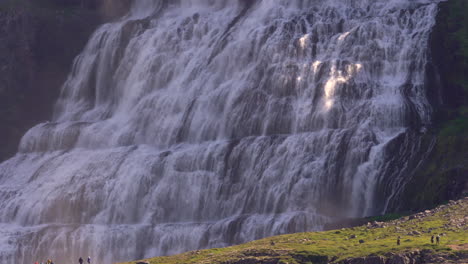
336 245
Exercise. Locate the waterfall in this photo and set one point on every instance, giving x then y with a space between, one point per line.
192 124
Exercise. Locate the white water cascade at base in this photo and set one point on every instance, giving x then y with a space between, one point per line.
197 123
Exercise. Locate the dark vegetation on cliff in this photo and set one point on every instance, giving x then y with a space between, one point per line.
444 174
38 41
450 54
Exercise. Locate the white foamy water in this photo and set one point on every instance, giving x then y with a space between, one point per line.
197 123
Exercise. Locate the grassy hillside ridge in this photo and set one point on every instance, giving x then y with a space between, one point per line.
350 245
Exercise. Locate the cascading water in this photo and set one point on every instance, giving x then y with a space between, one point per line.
199 123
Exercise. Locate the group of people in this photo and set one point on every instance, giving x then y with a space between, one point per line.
432 240
437 239
80 260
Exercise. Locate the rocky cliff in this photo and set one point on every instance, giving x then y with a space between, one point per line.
38 41
443 174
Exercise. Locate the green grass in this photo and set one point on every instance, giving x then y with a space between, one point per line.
385 218
336 245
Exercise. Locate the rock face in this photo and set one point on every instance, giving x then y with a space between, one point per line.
38 41
441 174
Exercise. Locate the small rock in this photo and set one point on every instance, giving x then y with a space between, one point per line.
143 262
361 241
352 236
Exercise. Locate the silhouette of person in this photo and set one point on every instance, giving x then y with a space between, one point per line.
80 260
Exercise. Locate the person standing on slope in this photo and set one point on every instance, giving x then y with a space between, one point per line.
80 260
89 260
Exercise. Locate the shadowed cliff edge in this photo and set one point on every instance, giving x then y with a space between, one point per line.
443 175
